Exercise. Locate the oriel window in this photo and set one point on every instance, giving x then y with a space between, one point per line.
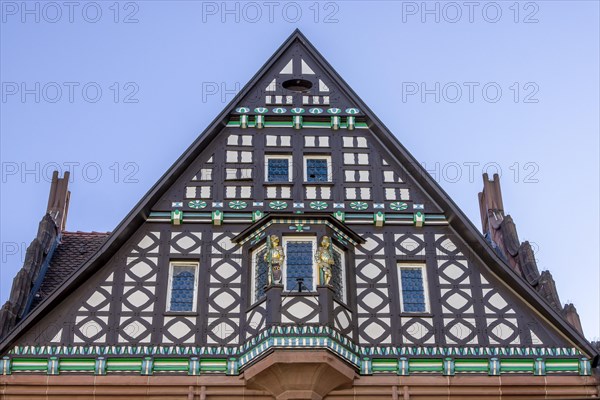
299 271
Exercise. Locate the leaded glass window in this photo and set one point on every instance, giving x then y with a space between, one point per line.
183 282
261 271
278 170
413 289
337 276
299 264
316 170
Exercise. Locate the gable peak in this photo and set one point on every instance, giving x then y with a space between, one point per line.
297 77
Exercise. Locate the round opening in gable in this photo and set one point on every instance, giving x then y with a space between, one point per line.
297 85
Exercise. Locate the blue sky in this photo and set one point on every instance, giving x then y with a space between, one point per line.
115 92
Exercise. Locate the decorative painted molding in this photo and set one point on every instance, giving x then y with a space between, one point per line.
298 221
318 205
200 360
359 205
176 217
197 204
278 205
238 204
379 219
348 217
217 217
398 206
297 121
299 110
419 219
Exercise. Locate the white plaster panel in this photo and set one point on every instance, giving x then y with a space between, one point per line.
230 191
232 140
363 158
190 192
246 192
246 156
388 176
246 140
349 175
230 173
231 156
390 194
205 192
271 140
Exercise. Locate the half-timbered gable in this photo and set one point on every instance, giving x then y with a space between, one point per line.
296 221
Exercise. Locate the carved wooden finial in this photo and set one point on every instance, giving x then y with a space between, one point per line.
58 199
571 315
490 202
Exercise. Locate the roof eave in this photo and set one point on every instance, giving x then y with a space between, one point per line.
305 216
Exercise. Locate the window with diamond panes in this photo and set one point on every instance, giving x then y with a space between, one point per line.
182 289
261 271
413 289
316 170
337 276
299 265
278 170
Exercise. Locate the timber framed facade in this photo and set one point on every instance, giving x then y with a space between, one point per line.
296 250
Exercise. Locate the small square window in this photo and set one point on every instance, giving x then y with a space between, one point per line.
317 169
413 288
183 287
278 168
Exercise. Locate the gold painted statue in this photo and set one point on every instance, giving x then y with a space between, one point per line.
274 258
325 260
